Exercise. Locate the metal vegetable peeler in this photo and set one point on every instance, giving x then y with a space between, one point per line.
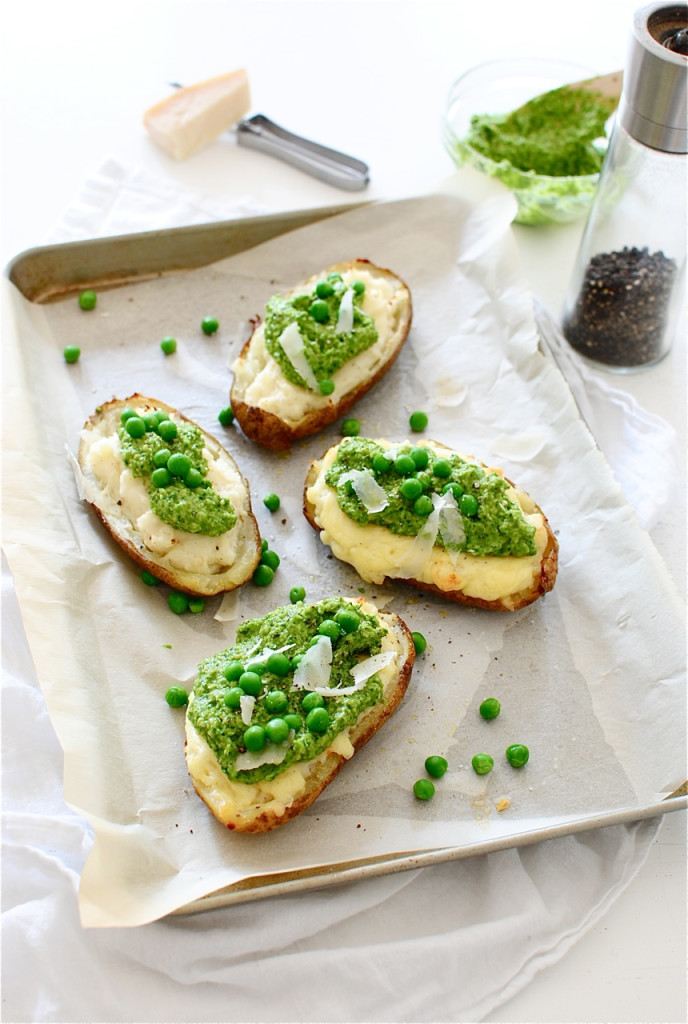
329 165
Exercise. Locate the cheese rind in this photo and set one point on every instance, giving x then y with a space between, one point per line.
196 115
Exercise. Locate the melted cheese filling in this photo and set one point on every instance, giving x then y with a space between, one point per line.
265 386
233 801
121 495
376 553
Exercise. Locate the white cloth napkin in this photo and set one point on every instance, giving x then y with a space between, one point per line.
446 943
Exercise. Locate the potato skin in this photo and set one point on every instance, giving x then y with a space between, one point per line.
545 581
270 430
190 583
325 770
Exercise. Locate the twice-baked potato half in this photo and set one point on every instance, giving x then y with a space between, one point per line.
272 719
319 348
170 495
423 514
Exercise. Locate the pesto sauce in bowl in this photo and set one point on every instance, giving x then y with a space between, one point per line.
325 349
498 527
199 509
294 627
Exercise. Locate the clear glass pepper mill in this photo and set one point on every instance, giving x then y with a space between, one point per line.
628 290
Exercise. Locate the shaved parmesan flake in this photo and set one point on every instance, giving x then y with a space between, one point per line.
292 345
345 319
246 704
314 668
367 668
367 489
446 517
451 521
272 753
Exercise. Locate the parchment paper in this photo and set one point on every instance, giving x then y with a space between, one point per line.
591 678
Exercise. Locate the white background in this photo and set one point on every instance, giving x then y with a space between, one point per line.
370 78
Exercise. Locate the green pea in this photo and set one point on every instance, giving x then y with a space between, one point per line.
312 700
168 345
320 311
271 502
263 544
424 479
423 506
226 416
177 697
442 468
411 488
263 575
194 478
160 477
326 386
317 720
297 594
436 766
160 457
179 464
232 698
88 299
482 764
254 738
149 418
296 661
160 416
404 465
259 667
381 463
233 671
209 325
71 353
126 414
135 426
178 602
358 287
271 559
468 504
277 730
279 664
250 683
328 627
324 289
517 755
421 457
348 619
168 430
294 721
334 276
490 708
149 579
419 642
196 605
276 701
351 427
423 789
418 421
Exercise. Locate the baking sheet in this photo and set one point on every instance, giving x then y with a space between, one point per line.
591 677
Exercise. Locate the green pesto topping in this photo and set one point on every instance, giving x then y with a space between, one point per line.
290 631
553 134
493 522
316 314
169 456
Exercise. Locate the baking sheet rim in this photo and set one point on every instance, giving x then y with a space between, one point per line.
340 874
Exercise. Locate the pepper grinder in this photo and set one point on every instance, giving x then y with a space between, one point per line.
627 294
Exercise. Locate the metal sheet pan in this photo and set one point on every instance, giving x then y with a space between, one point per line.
47 274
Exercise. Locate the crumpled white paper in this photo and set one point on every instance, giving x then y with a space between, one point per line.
487 924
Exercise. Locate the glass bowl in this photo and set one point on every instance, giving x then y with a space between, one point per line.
499 87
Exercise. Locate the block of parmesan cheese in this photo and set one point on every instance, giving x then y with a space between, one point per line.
197 114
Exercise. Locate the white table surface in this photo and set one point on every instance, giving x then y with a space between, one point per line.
76 78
